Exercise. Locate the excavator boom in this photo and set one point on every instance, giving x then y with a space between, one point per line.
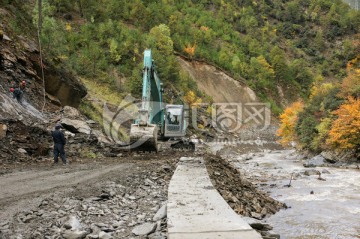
143 133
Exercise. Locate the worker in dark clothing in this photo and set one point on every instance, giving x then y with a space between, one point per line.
17 93
59 144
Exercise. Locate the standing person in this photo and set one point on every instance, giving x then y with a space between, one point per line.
22 86
59 144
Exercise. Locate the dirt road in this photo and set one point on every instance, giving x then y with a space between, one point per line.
31 185
34 200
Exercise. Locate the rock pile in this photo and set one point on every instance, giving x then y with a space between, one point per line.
133 210
243 197
22 142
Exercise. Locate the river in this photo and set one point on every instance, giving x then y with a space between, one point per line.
321 209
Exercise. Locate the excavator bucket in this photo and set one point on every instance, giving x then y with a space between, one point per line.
143 138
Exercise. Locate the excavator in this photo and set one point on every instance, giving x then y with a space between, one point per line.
157 120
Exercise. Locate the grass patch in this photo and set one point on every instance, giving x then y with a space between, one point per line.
102 91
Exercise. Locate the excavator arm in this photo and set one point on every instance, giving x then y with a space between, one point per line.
143 133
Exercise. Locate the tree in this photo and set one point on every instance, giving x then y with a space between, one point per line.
190 50
319 41
350 85
191 99
306 128
278 62
345 130
162 46
40 16
288 121
263 72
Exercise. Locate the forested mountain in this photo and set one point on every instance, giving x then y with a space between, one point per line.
267 43
274 46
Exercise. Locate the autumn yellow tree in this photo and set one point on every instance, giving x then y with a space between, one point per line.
190 50
345 130
288 121
191 99
350 85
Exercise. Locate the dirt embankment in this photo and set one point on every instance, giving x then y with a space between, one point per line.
242 196
215 83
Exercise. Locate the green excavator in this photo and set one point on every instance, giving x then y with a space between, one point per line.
157 120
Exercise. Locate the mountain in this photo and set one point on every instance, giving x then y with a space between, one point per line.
273 51
275 47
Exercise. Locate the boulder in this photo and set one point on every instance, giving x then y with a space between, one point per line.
22 151
74 234
104 235
316 161
73 223
75 126
329 156
161 213
6 38
71 112
144 229
311 172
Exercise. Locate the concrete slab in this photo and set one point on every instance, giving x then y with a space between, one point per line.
196 210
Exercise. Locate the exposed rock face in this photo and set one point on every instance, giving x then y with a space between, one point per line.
20 60
62 85
221 87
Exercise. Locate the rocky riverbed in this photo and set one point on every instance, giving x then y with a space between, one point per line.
323 201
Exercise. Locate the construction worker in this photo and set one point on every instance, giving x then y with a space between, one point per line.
17 93
22 85
59 144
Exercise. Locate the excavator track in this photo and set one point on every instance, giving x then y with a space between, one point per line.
183 145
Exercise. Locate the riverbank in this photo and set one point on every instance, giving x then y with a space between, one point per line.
322 202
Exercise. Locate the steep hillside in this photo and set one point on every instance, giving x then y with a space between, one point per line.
20 61
281 50
278 47
221 87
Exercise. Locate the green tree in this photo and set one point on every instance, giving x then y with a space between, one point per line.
278 62
162 46
263 73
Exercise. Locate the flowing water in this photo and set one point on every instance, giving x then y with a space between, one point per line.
321 209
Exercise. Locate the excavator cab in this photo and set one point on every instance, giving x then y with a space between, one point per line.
175 124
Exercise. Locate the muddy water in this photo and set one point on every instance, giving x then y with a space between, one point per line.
318 209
